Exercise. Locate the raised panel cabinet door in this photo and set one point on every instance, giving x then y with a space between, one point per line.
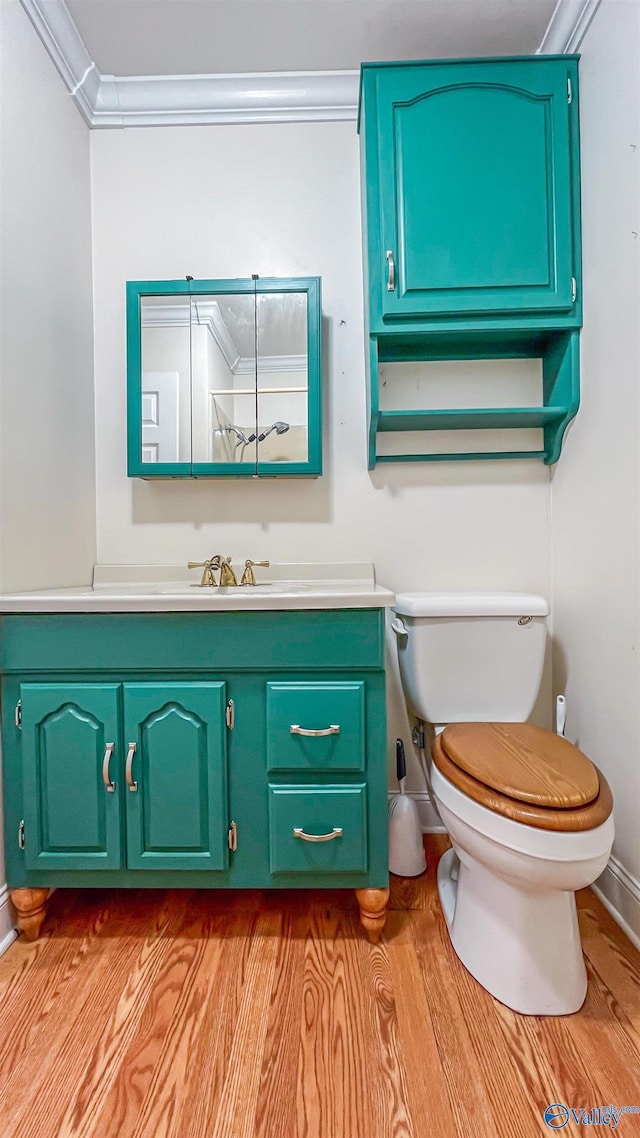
175 776
476 189
72 785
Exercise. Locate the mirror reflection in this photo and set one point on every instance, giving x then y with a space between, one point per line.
166 379
225 378
282 377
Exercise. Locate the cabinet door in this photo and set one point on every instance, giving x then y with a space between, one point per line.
475 188
70 748
175 776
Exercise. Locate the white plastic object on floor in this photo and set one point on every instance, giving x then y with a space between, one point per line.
406 849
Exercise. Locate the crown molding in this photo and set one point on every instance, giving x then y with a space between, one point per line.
186 100
65 46
567 27
210 317
268 97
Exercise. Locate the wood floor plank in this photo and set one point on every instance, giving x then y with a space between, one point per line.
276 1101
238 1100
333 1078
389 1092
613 956
183 1095
34 1100
426 1087
119 1069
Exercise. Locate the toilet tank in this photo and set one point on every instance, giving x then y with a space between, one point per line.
467 657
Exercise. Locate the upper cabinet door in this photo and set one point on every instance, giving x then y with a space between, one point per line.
72 787
175 776
224 378
475 189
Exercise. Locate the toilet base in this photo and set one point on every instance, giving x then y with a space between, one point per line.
521 945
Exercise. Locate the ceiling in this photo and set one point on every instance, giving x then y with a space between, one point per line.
187 37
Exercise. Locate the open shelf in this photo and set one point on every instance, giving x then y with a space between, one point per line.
468 419
558 351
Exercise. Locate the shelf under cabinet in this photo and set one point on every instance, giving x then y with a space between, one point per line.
558 350
469 418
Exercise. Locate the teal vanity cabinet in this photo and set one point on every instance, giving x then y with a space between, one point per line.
224 378
471 214
175 771
205 750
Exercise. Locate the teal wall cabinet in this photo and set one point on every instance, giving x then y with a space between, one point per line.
471 213
224 378
257 759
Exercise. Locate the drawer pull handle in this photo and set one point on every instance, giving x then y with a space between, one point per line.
296 729
335 833
108 751
128 770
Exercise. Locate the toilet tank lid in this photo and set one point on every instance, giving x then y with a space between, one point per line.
470 604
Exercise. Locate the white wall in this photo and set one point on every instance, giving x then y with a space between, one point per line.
47 480
284 200
596 485
47 472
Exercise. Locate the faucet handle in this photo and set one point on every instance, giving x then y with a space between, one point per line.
249 577
208 579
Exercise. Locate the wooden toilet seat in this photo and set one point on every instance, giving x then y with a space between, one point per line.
524 773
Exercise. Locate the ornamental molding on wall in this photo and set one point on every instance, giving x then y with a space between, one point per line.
269 97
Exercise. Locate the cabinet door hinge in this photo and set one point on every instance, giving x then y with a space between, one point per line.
574 289
18 715
231 715
21 835
569 90
233 836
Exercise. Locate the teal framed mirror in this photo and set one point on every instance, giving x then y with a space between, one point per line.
224 378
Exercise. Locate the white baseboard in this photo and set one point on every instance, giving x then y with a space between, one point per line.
429 820
8 931
619 892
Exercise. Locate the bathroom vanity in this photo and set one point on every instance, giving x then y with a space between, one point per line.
157 734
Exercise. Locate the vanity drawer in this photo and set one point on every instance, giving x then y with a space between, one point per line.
315 726
336 814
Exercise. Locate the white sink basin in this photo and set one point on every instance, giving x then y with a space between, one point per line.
157 588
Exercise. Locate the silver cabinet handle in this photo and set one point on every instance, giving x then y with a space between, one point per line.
108 751
391 265
296 729
128 772
335 833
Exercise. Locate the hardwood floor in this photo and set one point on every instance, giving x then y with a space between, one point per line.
188 1014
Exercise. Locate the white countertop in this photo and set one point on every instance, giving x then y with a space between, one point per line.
174 588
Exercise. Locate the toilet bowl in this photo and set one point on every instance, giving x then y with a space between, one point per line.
529 816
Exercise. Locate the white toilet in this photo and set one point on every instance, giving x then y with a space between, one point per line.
529 816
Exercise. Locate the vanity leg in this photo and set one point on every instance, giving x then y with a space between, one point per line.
31 907
373 911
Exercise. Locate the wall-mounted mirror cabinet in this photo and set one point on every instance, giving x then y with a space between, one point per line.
224 378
